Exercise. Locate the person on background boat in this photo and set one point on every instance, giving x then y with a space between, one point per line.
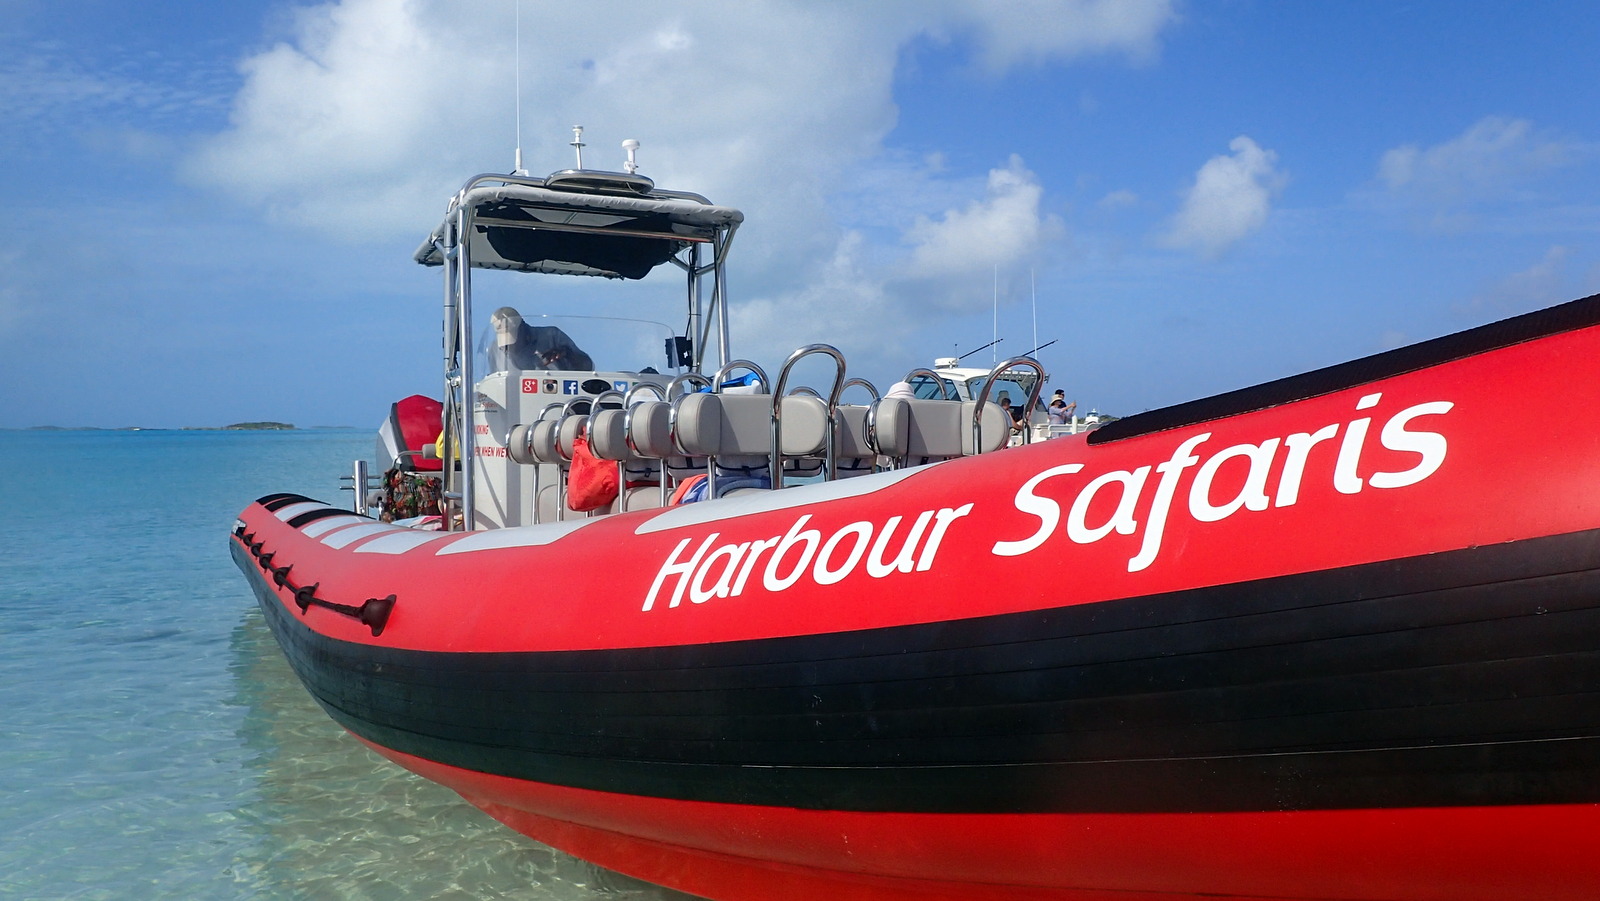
1060 412
1014 412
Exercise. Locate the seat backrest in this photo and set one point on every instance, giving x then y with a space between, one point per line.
521 442
567 432
804 424
648 429
716 425
608 436
851 450
608 440
994 428
542 442
914 428
721 425
733 432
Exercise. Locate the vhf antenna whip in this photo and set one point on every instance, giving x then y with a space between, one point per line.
517 167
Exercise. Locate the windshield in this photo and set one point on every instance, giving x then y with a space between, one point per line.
1014 385
531 341
928 389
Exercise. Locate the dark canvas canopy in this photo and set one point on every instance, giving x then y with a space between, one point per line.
540 229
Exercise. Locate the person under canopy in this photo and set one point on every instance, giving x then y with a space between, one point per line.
518 345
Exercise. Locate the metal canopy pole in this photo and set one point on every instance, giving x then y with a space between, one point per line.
697 351
464 348
446 446
719 291
719 302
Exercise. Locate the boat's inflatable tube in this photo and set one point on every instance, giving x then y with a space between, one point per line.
1339 639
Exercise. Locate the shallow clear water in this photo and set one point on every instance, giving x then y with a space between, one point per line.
153 742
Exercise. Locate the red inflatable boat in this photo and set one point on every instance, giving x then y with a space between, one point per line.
1332 637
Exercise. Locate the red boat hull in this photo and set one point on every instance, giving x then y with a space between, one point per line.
726 851
1331 637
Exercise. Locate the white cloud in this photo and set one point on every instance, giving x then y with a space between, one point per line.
35 84
998 229
1230 198
1543 284
768 96
1118 200
1037 31
841 305
1489 162
1393 338
47 91
379 108
345 129
1484 158
867 299
374 111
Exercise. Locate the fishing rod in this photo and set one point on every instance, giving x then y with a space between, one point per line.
976 349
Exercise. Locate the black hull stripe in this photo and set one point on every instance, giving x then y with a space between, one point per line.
1468 677
276 502
311 516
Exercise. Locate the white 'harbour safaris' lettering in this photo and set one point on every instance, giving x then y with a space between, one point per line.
714 570
1253 495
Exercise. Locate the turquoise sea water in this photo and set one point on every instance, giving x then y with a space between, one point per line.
154 744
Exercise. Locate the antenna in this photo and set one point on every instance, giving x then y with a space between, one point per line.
996 335
631 165
1033 287
577 143
517 165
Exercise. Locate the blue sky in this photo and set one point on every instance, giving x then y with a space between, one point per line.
212 207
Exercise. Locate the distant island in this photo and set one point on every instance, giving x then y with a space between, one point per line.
236 427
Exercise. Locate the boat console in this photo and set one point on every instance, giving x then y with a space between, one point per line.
527 401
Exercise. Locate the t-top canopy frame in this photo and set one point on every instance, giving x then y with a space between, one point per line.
576 222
